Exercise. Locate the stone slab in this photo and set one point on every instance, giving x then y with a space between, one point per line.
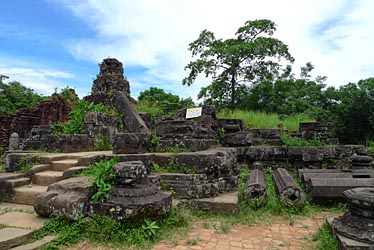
19 182
6 206
47 178
9 176
22 220
346 243
27 194
63 165
223 204
36 244
11 237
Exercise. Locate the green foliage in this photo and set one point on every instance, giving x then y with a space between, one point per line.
158 103
27 161
353 117
291 141
69 95
252 56
172 167
76 117
155 143
257 119
14 95
287 95
102 177
103 143
105 230
325 240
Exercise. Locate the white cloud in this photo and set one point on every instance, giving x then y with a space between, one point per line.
336 36
43 81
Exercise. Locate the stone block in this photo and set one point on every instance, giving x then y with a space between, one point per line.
215 163
131 143
187 144
68 198
130 117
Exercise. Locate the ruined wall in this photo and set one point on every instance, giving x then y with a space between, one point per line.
48 112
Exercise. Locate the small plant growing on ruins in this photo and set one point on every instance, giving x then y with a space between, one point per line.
103 143
172 167
325 239
150 228
109 75
221 132
102 178
155 143
291 141
76 117
27 162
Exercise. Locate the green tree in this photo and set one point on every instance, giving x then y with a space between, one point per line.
252 56
14 95
355 112
165 103
286 95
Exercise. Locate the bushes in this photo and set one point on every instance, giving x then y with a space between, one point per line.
76 117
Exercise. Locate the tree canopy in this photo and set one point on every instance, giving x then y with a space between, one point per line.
252 56
165 103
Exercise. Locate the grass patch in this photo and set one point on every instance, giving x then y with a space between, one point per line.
107 231
325 239
256 119
2 226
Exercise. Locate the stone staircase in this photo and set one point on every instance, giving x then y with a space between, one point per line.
26 189
17 213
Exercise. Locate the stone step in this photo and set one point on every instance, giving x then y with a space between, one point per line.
22 220
226 203
38 168
48 159
63 165
72 171
36 244
27 194
11 237
19 182
9 176
47 178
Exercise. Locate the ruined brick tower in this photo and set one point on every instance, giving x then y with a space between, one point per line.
109 81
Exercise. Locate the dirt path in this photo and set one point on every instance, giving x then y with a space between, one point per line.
278 233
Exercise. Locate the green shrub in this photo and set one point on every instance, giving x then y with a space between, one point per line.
291 141
76 117
102 178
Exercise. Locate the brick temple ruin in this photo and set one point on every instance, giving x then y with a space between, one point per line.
207 169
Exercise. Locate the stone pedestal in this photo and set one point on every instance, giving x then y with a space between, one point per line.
133 198
357 225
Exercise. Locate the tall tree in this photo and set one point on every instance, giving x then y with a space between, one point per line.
252 56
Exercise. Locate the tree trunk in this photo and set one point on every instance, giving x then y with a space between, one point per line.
233 82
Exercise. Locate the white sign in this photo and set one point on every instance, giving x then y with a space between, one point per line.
194 112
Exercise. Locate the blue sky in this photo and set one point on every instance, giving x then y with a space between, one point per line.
48 44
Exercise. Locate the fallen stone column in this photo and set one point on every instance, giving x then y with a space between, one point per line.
287 189
305 179
255 187
331 190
